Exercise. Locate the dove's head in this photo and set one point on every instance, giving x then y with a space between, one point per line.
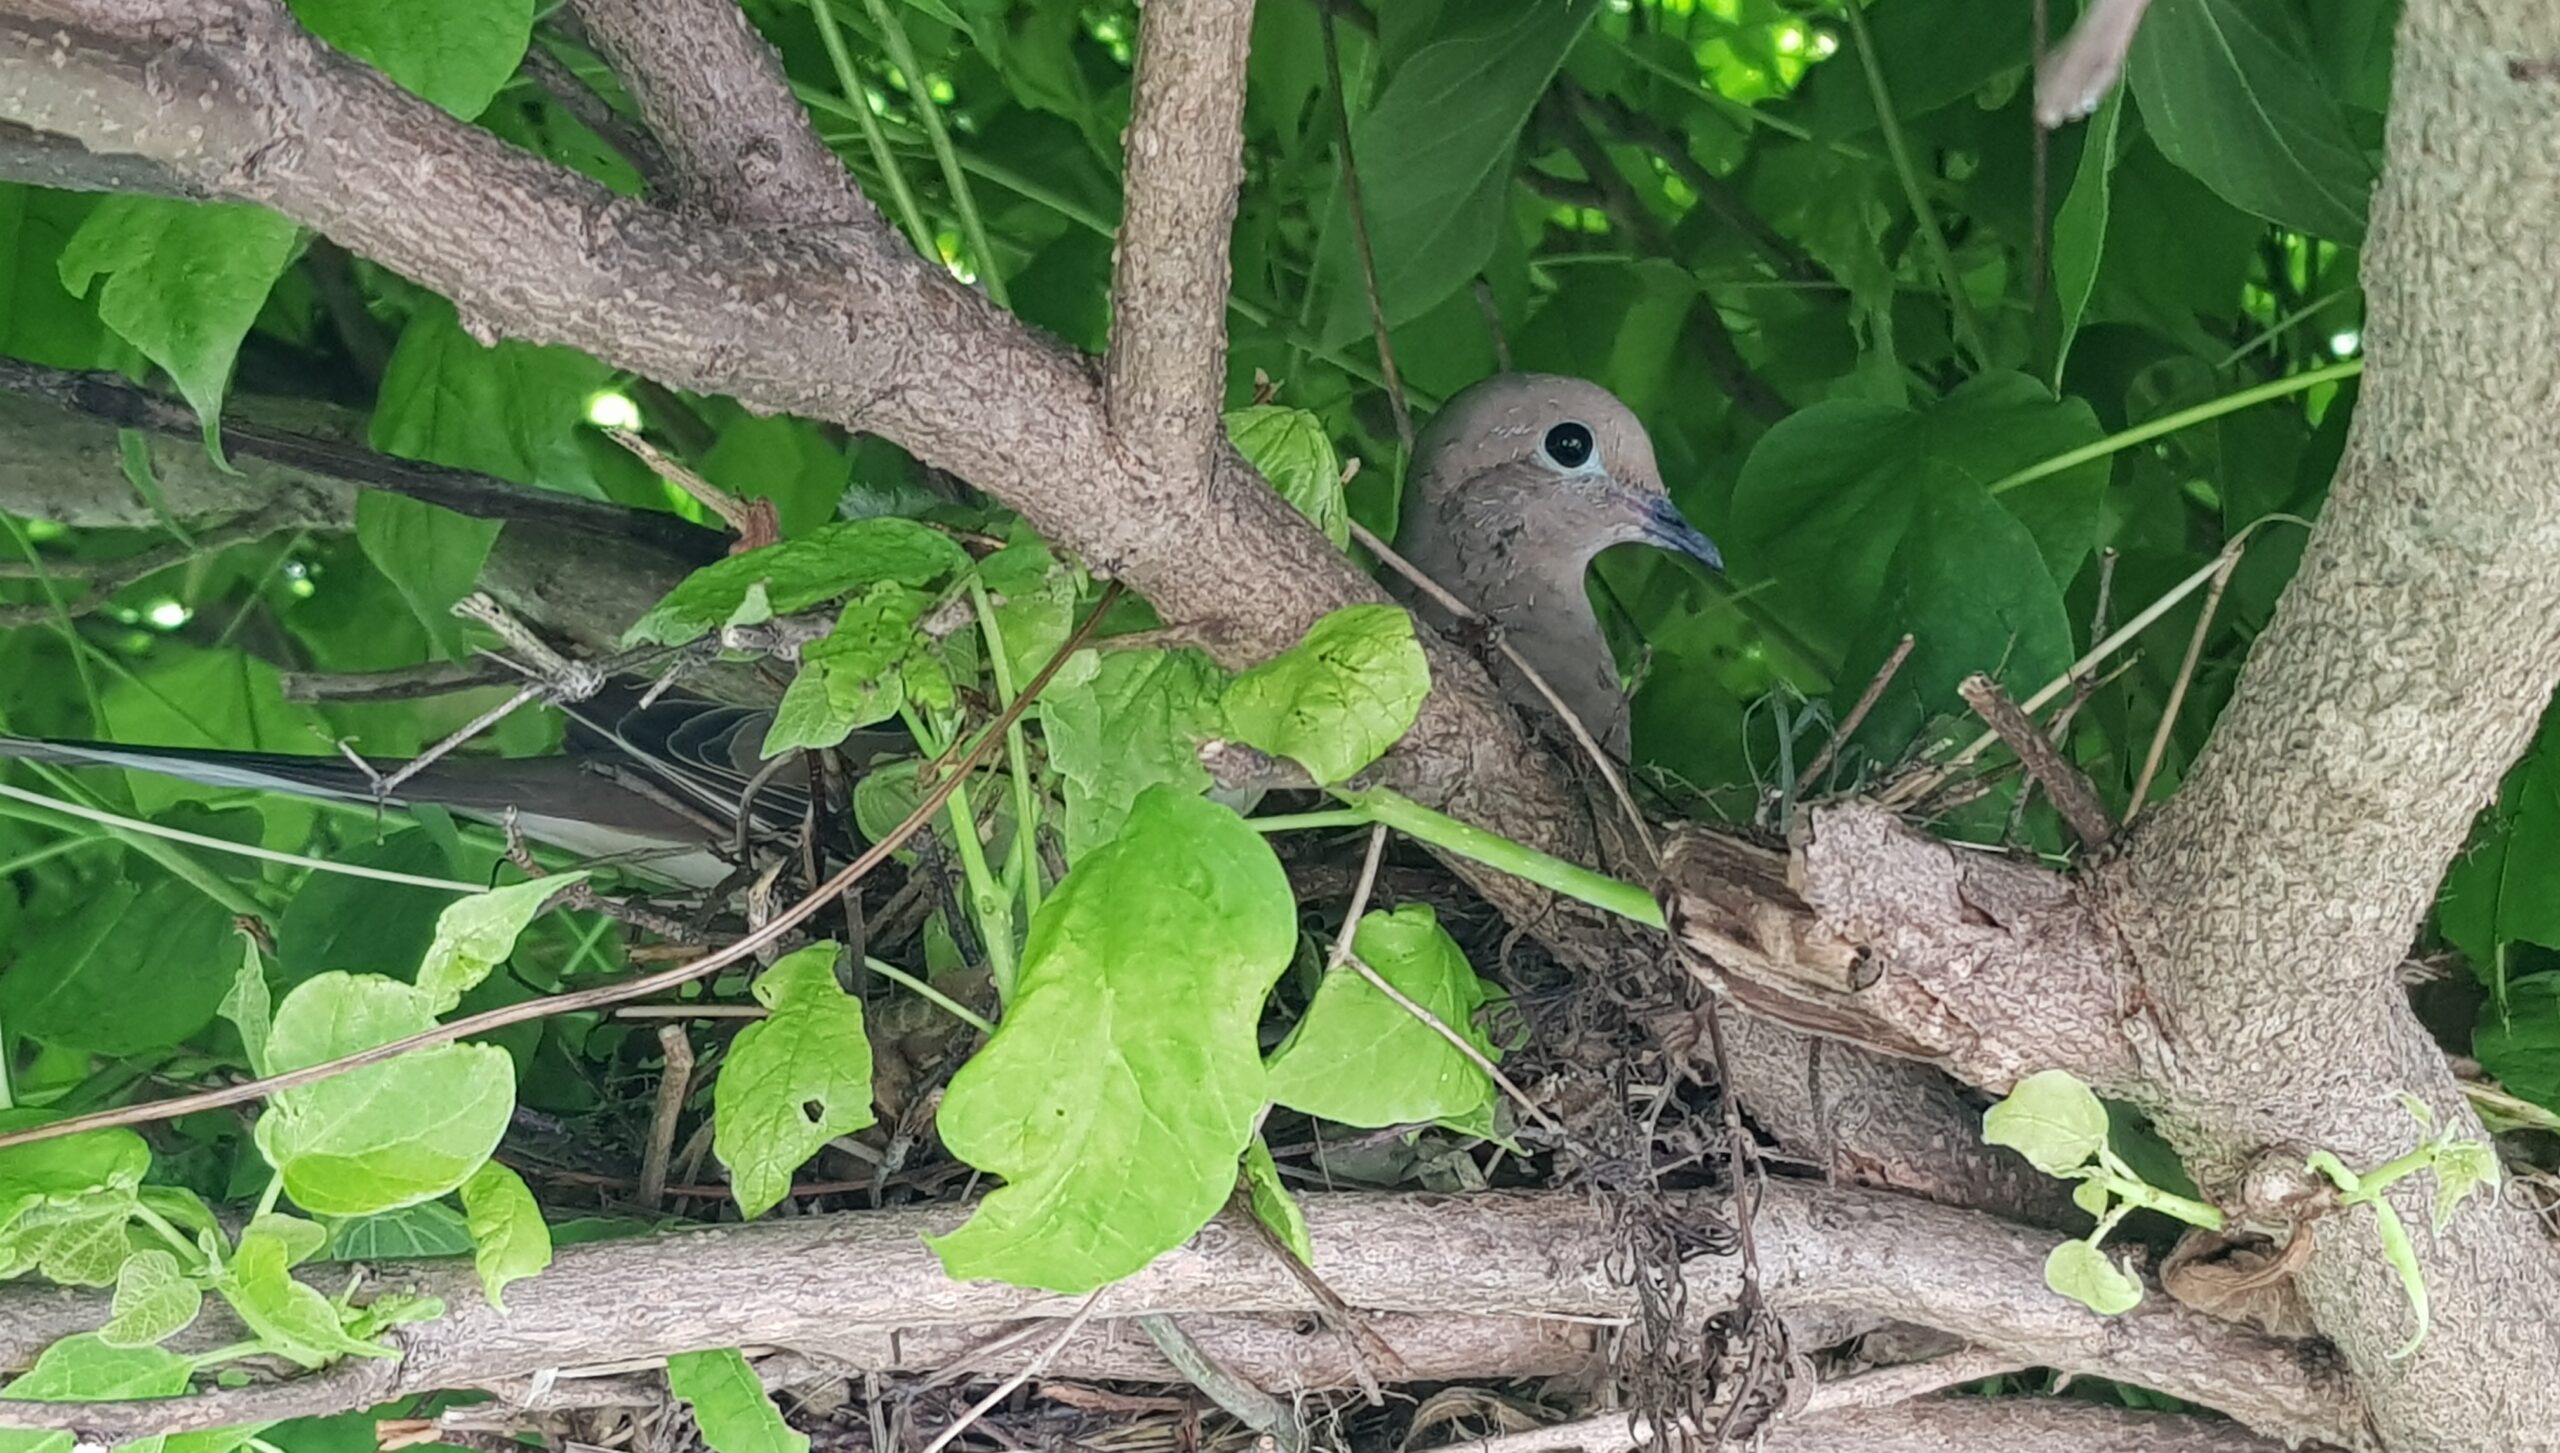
1533 473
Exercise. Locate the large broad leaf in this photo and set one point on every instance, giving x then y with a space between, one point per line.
1120 722
130 972
1436 154
2519 1042
432 556
797 574
97 1170
2229 90
793 1081
2499 890
1336 701
363 925
1291 449
1826 497
184 280
1933 53
357 1144
2080 225
1360 1058
456 53
84 1369
511 410
1124 1080
429 1228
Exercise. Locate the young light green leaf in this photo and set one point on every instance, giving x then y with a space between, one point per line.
456 53
2080 226
855 674
2461 1167
729 1405
1273 1205
84 1369
2402 1256
2082 1272
80 1245
93 1169
1120 722
2229 90
793 1081
1336 701
355 1144
292 1320
475 935
155 1300
1124 1079
1358 1058
2092 1196
249 1006
2050 1118
509 1241
825 563
432 556
1292 450
301 1240
184 280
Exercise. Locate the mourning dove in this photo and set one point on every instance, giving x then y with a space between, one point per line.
1516 485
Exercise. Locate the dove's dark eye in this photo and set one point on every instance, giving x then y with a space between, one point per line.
1569 445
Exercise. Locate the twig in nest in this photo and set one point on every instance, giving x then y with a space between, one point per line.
1367 1347
1581 733
1857 716
673 1082
1249 1404
2072 795
1028 1371
1456 1040
2178 688
752 521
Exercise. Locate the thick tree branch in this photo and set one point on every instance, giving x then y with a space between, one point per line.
740 147
841 1286
1167 370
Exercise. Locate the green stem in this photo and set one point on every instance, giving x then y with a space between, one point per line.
190 1256
1017 754
857 104
988 903
903 56
931 995
2134 1191
1968 328
207 1361
2186 418
1495 851
267 1199
1306 821
154 846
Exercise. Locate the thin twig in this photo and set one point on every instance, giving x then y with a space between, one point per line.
2072 795
673 1083
405 683
956 764
1250 1405
1573 724
752 521
1857 716
1360 236
1359 897
1025 1373
2178 687
1491 308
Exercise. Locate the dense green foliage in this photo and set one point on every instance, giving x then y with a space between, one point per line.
1918 371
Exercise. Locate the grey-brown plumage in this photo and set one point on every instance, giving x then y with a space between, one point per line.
1516 485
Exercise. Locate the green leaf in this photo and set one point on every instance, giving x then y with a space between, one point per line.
512 410
456 53
356 1144
2520 1046
301 1240
1120 722
475 935
1124 1080
2402 1256
130 972
785 460
1336 701
509 1241
432 556
184 280
830 561
1436 155
1273 1205
2050 1118
1292 451
1036 606
292 1320
429 1228
793 1081
857 674
85 1369
1358 1058
154 1301
2229 90
729 1406
1828 494
248 1005
2082 1272
364 925
2080 225
2461 1167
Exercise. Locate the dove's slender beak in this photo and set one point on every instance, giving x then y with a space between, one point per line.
1660 523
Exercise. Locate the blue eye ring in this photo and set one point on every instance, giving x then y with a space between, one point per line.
1569 445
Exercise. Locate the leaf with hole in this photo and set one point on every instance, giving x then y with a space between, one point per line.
793 1081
